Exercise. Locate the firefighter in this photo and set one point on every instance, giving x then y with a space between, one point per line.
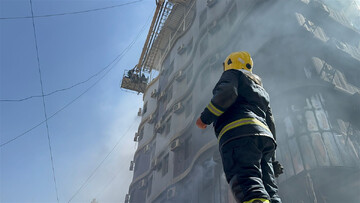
244 126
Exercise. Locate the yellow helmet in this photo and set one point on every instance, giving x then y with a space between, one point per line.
238 60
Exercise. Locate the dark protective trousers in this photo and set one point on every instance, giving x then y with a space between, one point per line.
248 168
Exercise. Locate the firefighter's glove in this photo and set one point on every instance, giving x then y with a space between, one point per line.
278 168
200 124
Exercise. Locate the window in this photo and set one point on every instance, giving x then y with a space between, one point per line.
144 108
189 46
169 93
202 17
149 186
136 164
188 107
141 134
189 74
232 14
187 148
204 45
170 68
182 154
205 76
167 126
165 165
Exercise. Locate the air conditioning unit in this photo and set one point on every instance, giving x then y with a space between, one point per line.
151 118
214 61
180 76
213 27
131 166
181 49
127 198
171 193
178 1
321 8
174 145
159 127
146 148
142 183
153 93
155 164
210 3
139 112
136 137
162 95
178 108
217 157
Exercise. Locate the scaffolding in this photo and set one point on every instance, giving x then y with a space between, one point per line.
171 19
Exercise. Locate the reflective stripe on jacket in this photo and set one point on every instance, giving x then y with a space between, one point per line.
239 107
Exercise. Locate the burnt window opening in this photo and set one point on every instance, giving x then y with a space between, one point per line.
149 188
189 46
169 93
202 17
136 166
211 3
188 107
152 152
232 14
204 44
170 68
144 108
167 126
189 74
205 76
182 155
132 194
141 134
187 147
165 165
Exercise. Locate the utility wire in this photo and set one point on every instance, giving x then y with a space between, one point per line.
74 85
61 109
55 91
106 186
94 171
70 13
114 62
43 101
100 164
64 107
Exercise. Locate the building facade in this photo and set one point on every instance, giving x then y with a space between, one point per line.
308 56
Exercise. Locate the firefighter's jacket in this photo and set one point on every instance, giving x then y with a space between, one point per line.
240 107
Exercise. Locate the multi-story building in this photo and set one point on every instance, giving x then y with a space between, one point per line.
308 56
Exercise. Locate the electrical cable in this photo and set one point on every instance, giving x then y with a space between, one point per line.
114 62
70 13
72 86
43 101
61 109
99 194
100 164
55 91
95 170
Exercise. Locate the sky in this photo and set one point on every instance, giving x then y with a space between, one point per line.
91 125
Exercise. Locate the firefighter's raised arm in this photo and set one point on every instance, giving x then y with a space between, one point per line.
224 95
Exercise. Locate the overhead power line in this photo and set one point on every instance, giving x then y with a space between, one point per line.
113 63
76 84
70 13
56 91
101 192
43 100
100 164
